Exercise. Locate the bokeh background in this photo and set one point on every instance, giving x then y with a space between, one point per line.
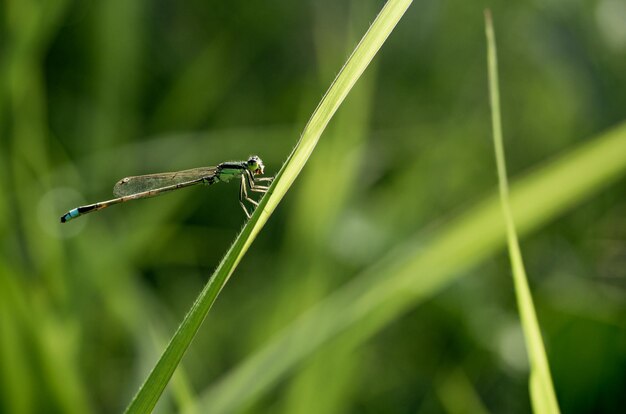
94 91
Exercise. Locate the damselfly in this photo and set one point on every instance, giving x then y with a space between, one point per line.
144 186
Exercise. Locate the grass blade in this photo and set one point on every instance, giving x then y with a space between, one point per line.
541 388
149 393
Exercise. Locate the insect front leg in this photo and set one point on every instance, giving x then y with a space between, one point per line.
252 182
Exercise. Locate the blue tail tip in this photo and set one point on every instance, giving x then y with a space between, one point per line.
70 215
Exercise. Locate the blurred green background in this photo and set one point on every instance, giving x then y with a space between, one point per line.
95 91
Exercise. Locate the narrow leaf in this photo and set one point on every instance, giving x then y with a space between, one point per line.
541 389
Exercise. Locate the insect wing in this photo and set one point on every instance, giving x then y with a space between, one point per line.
140 183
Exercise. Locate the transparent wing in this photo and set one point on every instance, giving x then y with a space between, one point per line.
140 183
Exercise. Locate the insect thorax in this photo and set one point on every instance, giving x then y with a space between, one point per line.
228 171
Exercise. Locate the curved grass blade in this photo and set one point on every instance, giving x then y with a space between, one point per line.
420 268
541 388
149 393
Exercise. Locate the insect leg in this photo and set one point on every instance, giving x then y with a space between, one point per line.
242 187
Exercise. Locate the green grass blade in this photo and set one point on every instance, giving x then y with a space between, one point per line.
419 268
149 393
541 388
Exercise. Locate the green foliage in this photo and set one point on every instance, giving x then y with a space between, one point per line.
416 270
381 283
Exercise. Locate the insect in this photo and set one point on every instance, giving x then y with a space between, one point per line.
151 185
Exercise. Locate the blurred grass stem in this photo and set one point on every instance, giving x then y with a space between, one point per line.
541 388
